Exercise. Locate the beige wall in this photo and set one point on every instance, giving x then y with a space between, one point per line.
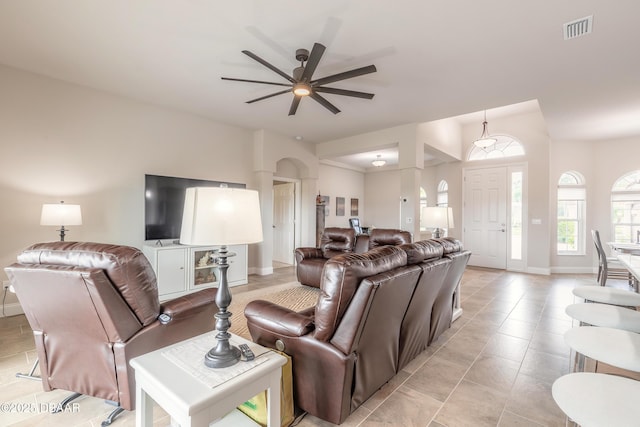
341 182
382 199
601 163
62 141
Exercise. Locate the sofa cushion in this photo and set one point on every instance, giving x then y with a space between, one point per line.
423 250
386 236
450 245
336 241
340 278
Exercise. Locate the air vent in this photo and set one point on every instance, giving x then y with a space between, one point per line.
577 28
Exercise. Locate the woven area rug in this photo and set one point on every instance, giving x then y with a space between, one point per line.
291 295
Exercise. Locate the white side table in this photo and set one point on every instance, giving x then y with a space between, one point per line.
597 399
196 402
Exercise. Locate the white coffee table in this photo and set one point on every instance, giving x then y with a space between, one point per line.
172 382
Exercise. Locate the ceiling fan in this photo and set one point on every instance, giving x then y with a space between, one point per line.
301 83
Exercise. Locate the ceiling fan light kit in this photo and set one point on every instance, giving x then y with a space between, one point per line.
301 83
485 140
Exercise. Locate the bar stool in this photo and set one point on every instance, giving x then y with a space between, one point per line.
592 399
614 347
611 296
611 316
596 400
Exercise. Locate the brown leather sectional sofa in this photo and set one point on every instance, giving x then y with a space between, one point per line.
376 312
337 241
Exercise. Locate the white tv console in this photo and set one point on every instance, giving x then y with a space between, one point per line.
182 269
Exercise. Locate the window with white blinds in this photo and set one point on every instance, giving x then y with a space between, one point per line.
571 228
625 208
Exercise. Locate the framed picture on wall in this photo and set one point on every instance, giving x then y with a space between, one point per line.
354 207
339 206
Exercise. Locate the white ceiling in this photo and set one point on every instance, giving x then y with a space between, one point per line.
435 59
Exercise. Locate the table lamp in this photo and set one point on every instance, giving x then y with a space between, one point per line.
437 217
61 214
221 216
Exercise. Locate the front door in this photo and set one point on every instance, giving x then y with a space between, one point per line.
283 222
485 216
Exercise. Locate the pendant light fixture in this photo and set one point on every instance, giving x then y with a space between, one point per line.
485 140
378 162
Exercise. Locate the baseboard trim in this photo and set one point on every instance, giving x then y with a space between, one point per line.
12 309
260 271
539 270
572 270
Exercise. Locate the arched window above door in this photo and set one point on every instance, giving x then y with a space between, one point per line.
505 146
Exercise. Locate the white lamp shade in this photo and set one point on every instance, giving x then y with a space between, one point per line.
61 214
437 217
221 216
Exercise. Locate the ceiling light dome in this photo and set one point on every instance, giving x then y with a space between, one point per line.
301 89
485 140
378 162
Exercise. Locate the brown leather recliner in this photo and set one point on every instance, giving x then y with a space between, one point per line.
442 314
336 241
92 308
372 317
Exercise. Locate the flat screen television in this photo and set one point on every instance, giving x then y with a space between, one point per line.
164 202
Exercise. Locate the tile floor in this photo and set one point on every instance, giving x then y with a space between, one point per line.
494 367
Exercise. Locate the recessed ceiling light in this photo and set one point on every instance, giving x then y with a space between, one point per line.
299 138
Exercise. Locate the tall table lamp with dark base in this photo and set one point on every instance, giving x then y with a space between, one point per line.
437 217
61 214
221 216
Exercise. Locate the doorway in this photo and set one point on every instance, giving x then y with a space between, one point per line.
284 230
494 215
485 216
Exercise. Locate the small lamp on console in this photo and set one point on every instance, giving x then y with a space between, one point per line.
61 214
221 216
437 217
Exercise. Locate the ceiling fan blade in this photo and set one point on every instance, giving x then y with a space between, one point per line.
326 104
255 81
269 66
312 62
344 92
346 75
294 105
268 96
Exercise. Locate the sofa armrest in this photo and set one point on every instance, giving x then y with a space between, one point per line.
302 253
189 305
277 319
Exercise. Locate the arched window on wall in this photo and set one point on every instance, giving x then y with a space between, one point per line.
443 194
625 207
423 204
505 146
571 226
